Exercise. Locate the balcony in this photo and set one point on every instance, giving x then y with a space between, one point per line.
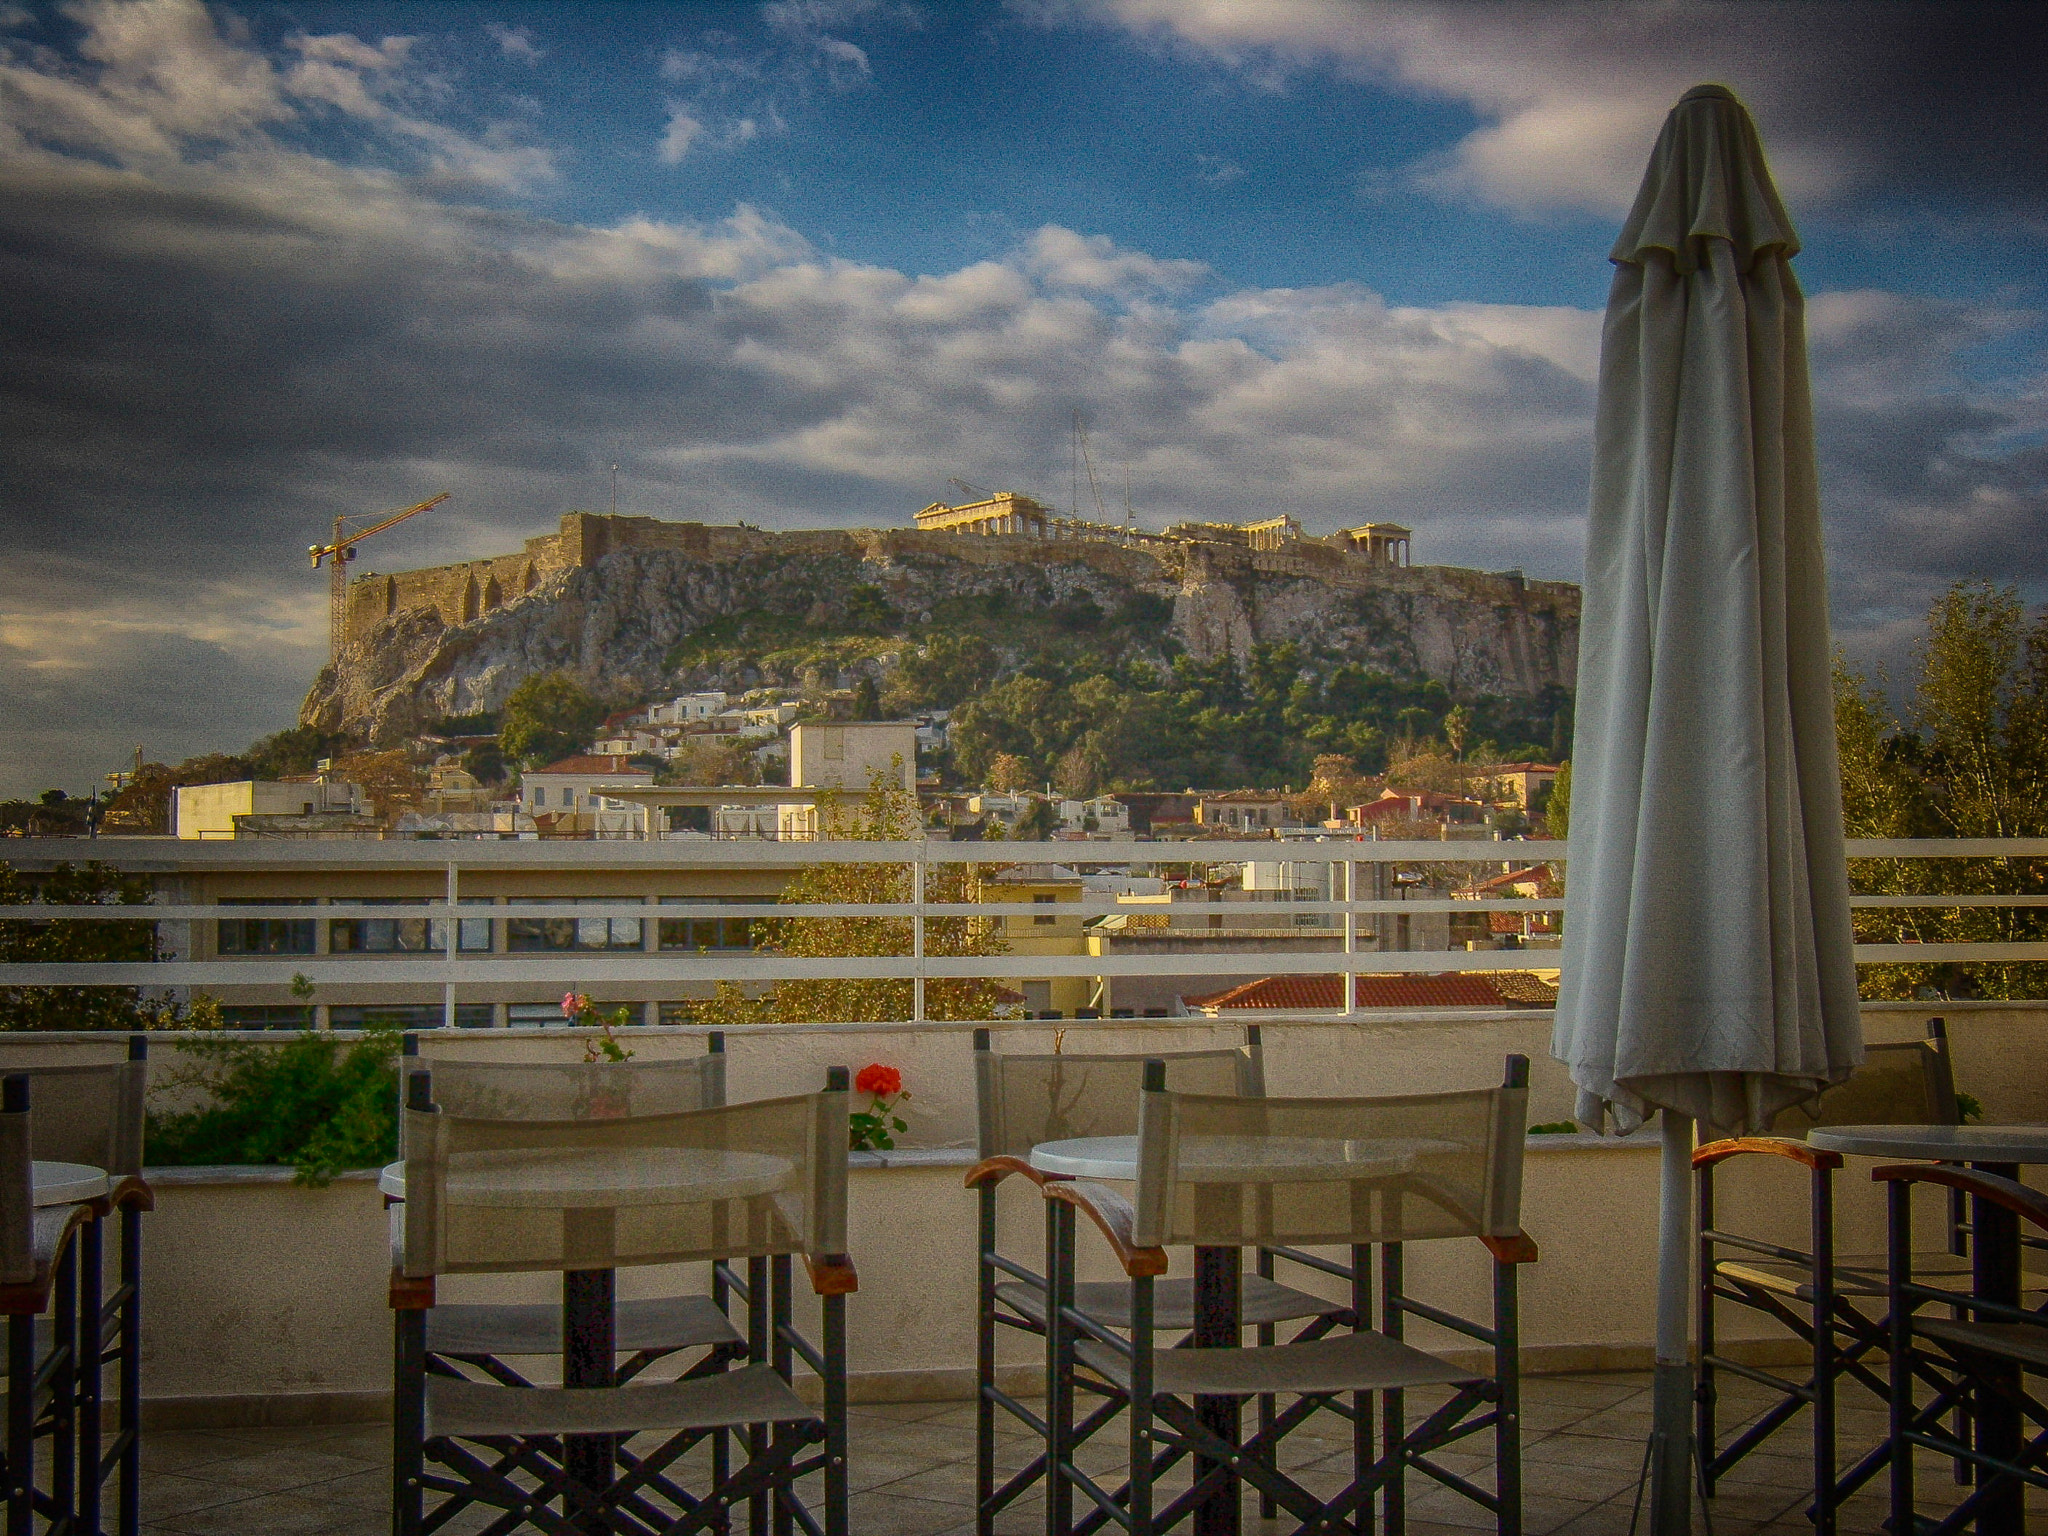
267 1341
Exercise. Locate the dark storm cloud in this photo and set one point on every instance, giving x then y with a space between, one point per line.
1930 99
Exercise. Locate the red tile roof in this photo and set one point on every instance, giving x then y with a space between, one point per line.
1450 989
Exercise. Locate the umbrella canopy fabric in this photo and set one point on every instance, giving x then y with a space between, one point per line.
1708 966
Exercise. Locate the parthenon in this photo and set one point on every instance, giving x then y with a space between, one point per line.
1010 513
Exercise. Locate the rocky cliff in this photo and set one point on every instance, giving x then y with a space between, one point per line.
626 612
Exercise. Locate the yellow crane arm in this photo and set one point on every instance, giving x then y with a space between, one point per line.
344 540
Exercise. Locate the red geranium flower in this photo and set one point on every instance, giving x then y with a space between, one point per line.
879 1081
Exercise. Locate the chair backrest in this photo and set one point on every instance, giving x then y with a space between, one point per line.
737 1180
570 1090
92 1113
1024 1100
17 1183
1235 1171
1904 1084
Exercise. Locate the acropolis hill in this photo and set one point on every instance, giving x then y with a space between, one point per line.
617 601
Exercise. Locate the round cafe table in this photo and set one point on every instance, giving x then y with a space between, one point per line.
574 1178
1994 1250
66 1183
1219 1272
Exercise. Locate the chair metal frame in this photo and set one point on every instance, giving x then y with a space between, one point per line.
1165 1429
56 1374
1024 1306
1847 1341
766 1481
1984 1351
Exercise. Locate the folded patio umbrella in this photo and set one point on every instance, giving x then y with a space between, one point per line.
1708 968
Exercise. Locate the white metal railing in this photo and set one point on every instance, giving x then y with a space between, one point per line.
1338 946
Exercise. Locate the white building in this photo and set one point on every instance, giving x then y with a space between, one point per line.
569 787
685 707
846 754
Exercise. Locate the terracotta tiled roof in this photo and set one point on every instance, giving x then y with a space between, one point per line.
1534 872
1524 988
1450 989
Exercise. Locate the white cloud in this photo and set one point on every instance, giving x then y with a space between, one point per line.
1067 259
682 132
516 43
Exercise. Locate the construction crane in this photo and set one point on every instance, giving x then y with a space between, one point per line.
972 490
340 552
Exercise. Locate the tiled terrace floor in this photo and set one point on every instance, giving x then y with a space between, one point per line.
913 1473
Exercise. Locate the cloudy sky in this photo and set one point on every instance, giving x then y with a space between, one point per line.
801 262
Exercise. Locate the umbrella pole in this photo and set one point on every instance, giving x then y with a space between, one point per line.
1671 1449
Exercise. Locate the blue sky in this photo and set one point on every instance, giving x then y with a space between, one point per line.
800 262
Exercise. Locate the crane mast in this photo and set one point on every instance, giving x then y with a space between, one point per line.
340 551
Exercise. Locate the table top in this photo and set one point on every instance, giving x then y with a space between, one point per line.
587 1178
67 1183
1938 1143
1241 1159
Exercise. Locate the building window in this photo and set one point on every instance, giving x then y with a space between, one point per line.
694 933
407 935
1044 901
291 1016
266 935
409 1016
540 796
549 1015
526 934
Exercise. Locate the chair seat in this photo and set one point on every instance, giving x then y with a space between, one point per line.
671 1322
1173 1302
1855 1275
754 1394
1345 1362
2023 1342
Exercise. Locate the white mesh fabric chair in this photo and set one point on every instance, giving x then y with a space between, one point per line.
1024 1100
762 1181
1833 1303
51 1362
480 1336
92 1113
1225 1174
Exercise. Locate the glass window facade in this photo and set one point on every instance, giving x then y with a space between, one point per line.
695 933
265 935
408 1016
524 935
289 1016
402 935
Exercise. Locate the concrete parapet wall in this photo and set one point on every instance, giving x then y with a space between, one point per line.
266 1302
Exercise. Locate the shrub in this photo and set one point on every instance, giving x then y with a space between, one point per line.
322 1103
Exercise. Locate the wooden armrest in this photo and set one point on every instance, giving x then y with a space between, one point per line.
991 1171
132 1192
1112 1213
1771 1146
2010 1193
832 1274
1517 1248
410 1293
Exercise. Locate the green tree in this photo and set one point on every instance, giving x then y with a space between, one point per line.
889 814
27 941
1969 759
548 716
1557 810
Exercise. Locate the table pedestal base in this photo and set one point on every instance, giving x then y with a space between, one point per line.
589 1334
